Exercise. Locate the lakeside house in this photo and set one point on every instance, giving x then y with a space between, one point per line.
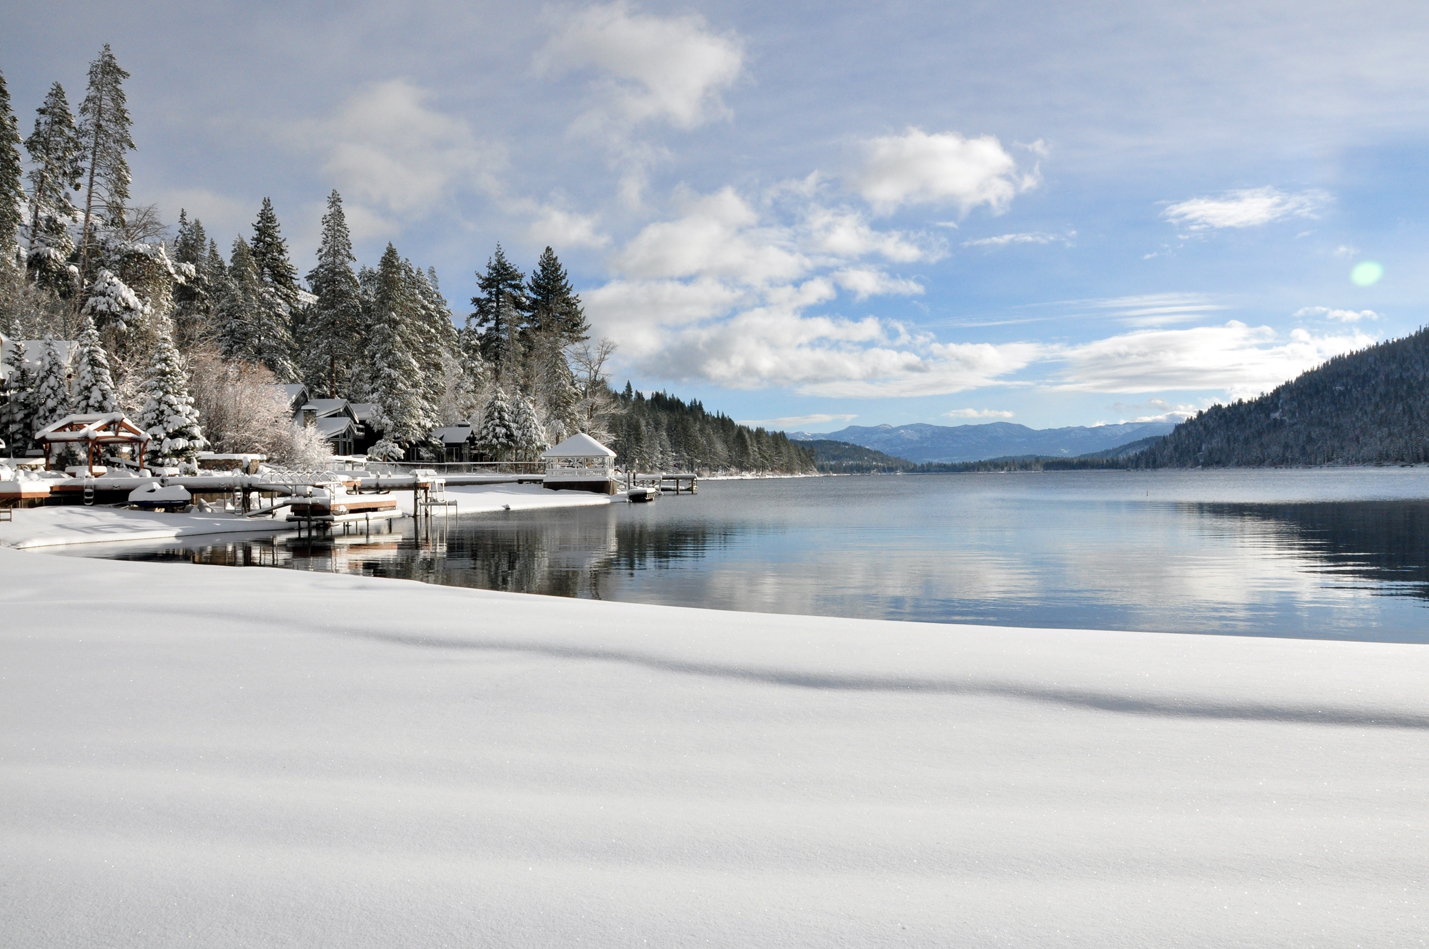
348 427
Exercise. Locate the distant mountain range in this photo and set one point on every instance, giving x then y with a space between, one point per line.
925 443
1369 407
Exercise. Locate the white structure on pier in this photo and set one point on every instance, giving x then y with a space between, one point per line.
580 463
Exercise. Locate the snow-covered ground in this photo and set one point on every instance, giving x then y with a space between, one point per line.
74 524
224 757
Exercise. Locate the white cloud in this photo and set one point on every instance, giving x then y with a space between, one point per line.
796 421
843 233
1027 237
1156 309
670 69
1250 207
1243 360
978 413
865 282
559 228
1345 251
1158 410
1339 316
942 168
393 156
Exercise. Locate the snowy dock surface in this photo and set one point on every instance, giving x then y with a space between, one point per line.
222 757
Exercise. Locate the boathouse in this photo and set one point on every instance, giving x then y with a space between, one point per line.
580 463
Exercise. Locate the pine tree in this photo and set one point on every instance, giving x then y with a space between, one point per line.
56 169
17 415
528 432
554 306
51 402
12 193
497 436
270 256
194 298
169 415
396 373
104 133
93 388
334 343
112 302
499 313
252 320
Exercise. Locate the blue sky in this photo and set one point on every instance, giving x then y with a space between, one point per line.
823 214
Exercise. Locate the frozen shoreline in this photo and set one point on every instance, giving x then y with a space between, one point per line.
62 525
229 757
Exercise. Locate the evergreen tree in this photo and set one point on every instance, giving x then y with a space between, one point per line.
12 194
194 299
499 313
17 415
334 330
51 401
112 302
497 436
56 169
93 388
270 256
169 415
527 432
554 306
253 324
396 373
104 133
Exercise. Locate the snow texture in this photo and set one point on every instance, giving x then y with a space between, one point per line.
72 524
228 757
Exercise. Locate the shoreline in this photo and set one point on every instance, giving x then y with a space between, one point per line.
200 752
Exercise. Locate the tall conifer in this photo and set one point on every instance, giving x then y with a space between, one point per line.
169 415
555 308
12 194
499 312
93 387
56 170
104 133
333 332
270 256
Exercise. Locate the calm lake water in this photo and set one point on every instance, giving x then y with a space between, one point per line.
1333 554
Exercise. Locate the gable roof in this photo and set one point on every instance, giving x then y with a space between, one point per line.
579 445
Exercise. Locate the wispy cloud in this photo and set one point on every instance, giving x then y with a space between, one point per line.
796 421
978 413
649 68
1026 237
1339 316
1250 207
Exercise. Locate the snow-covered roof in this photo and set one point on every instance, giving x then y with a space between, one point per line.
333 425
452 434
579 445
296 394
363 411
106 427
322 408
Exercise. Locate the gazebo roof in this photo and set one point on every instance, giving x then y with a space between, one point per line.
579 445
109 427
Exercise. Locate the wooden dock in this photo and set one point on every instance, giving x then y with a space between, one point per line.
677 482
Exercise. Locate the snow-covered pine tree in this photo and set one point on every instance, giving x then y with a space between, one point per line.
104 134
93 386
169 415
17 415
12 192
499 312
497 437
554 306
433 335
51 401
194 298
334 343
528 432
253 322
112 302
396 374
270 256
56 169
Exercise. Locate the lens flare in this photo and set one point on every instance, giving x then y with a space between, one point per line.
1366 273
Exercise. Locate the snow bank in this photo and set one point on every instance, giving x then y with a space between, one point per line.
73 524
223 757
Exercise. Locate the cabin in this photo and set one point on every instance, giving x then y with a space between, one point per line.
580 463
335 421
454 441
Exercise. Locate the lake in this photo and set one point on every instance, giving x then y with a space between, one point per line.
1321 553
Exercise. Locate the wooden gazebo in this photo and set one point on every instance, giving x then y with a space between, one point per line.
93 432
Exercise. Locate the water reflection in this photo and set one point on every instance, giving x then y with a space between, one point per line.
1264 554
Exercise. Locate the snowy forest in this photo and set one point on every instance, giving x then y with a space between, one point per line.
193 340
1367 407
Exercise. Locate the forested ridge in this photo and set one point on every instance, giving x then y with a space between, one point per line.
1366 407
660 431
